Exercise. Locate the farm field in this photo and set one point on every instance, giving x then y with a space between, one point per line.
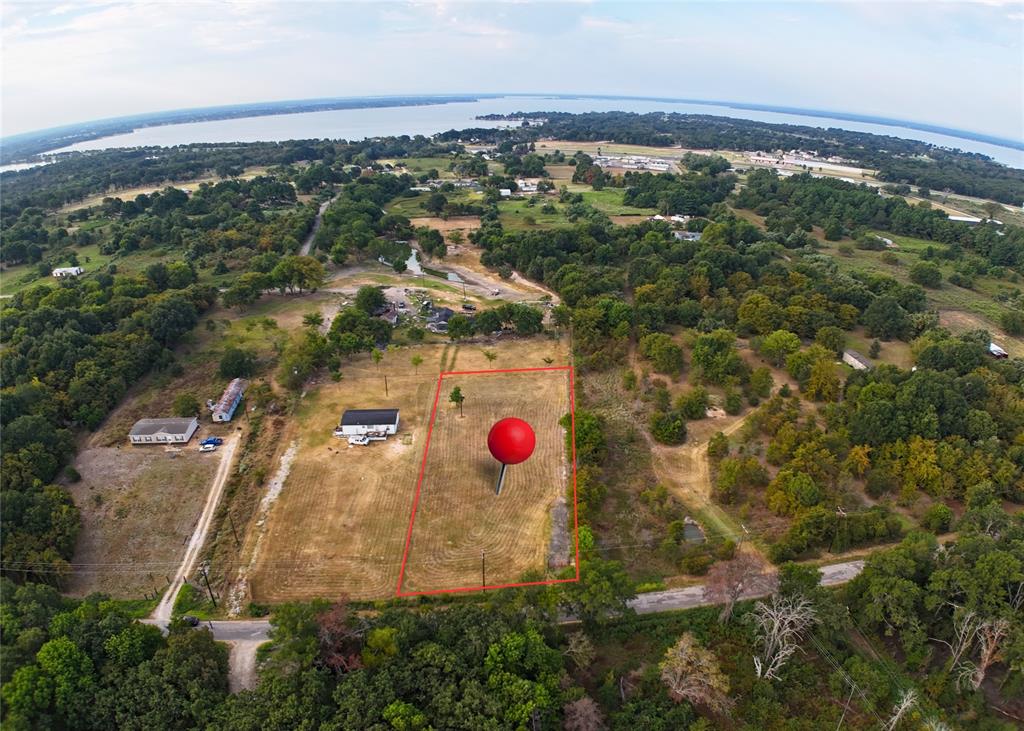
459 520
339 524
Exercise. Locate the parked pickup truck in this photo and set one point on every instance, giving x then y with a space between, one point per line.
215 441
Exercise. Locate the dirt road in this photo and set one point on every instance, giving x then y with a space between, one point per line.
162 613
686 471
307 243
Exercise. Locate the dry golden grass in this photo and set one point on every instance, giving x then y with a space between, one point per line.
459 517
139 506
338 526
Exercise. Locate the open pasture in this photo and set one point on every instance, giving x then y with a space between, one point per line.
338 526
462 535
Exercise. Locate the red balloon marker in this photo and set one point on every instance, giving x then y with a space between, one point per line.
511 441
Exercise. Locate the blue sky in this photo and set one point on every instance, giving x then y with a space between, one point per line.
955 64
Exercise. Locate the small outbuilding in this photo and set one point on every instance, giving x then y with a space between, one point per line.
163 431
65 272
225 407
996 352
358 422
856 361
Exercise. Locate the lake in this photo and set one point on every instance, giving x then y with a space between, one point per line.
357 124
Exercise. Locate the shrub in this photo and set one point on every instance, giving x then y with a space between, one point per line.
718 446
1012 322
696 564
880 482
693 405
926 274
937 518
668 427
185 404
72 474
237 363
733 403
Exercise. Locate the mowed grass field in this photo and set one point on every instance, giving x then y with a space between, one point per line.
459 517
338 526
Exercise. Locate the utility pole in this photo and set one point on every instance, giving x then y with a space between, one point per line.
234 532
483 568
385 384
203 569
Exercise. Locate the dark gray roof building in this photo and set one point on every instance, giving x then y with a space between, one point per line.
156 431
369 417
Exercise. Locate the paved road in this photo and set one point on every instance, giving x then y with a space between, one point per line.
246 635
162 613
307 244
693 596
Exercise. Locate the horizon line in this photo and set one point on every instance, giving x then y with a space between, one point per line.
445 98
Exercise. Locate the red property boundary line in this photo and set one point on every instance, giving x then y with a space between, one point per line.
423 467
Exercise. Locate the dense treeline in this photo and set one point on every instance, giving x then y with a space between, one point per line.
88 665
78 175
70 353
798 201
952 616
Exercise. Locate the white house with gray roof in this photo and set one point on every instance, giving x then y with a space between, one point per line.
163 431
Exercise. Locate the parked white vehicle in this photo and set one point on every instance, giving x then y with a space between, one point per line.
359 440
207 447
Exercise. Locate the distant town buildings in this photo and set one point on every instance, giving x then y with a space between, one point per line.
636 162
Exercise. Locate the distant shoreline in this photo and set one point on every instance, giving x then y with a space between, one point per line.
23 146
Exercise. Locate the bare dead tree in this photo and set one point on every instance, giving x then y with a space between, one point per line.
580 650
691 673
965 629
908 699
990 635
339 637
779 626
730 581
583 715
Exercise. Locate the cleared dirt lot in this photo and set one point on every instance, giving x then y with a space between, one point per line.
459 517
339 523
139 506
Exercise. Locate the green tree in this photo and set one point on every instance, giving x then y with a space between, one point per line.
185 404
1012 321
602 593
668 427
715 355
778 345
459 326
456 397
237 363
886 319
823 384
417 361
369 299
832 338
926 274
665 354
